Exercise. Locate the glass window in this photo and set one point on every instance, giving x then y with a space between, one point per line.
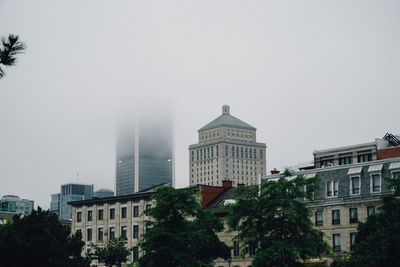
123 212
329 189
79 216
252 248
89 215
123 231
235 248
336 242
355 185
112 213
112 233
100 234
135 253
335 188
89 234
376 182
100 215
318 218
135 211
345 160
148 207
364 158
135 231
353 215
352 240
335 216
370 210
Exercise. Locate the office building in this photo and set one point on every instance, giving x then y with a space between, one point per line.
226 150
15 204
103 193
145 155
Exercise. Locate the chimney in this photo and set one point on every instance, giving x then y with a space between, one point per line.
225 109
226 184
275 171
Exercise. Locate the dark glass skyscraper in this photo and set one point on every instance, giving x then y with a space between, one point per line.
144 155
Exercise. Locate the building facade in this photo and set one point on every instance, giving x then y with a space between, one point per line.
145 155
103 193
15 204
226 149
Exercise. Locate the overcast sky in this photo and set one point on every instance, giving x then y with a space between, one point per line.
307 74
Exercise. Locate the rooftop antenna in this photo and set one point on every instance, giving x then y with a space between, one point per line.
77 176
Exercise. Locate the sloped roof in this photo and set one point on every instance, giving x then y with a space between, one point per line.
226 119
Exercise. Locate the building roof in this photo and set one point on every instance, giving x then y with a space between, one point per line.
226 119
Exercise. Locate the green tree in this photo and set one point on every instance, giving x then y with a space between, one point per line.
275 220
39 240
8 53
181 232
378 239
114 253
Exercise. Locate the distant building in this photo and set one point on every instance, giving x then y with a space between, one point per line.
101 193
226 149
144 155
15 204
69 192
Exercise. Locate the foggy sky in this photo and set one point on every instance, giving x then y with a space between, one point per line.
307 74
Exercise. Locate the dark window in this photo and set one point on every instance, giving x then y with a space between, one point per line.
135 253
335 216
89 234
112 233
329 189
335 188
370 210
89 215
345 160
364 158
318 218
336 242
252 248
79 216
123 231
135 211
353 215
123 212
135 231
100 234
352 240
100 215
112 214
148 207
355 185
376 183
235 248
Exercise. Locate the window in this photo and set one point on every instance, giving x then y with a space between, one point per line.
352 240
353 215
355 185
364 158
123 231
135 211
112 233
327 163
135 231
345 160
376 183
135 253
370 210
79 216
336 242
148 207
252 248
100 215
123 212
335 216
100 234
318 218
89 234
332 188
235 248
89 215
112 213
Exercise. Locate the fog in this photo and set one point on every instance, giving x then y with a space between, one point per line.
307 74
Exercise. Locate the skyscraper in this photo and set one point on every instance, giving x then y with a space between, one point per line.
227 150
144 155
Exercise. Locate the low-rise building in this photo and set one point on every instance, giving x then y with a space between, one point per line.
14 204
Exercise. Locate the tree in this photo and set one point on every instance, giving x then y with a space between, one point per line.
8 54
378 239
39 240
114 253
180 232
274 220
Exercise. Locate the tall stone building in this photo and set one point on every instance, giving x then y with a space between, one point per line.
226 150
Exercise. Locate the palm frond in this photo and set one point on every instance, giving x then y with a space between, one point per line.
2 73
11 48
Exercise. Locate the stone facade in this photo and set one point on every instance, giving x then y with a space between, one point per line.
226 149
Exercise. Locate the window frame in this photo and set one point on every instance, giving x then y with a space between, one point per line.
79 216
100 234
336 248
372 183
112 214
352 244
371 208
90 215
135 211
124 212
100 212
236 249
351 219
351 185
124 231
337 221
332 189
89 230
111 232
135 234
319 222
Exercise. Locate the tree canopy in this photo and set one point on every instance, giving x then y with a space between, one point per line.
8 53
180 232
274 218
114 253
39 240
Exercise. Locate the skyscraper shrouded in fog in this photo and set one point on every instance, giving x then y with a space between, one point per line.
145 155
